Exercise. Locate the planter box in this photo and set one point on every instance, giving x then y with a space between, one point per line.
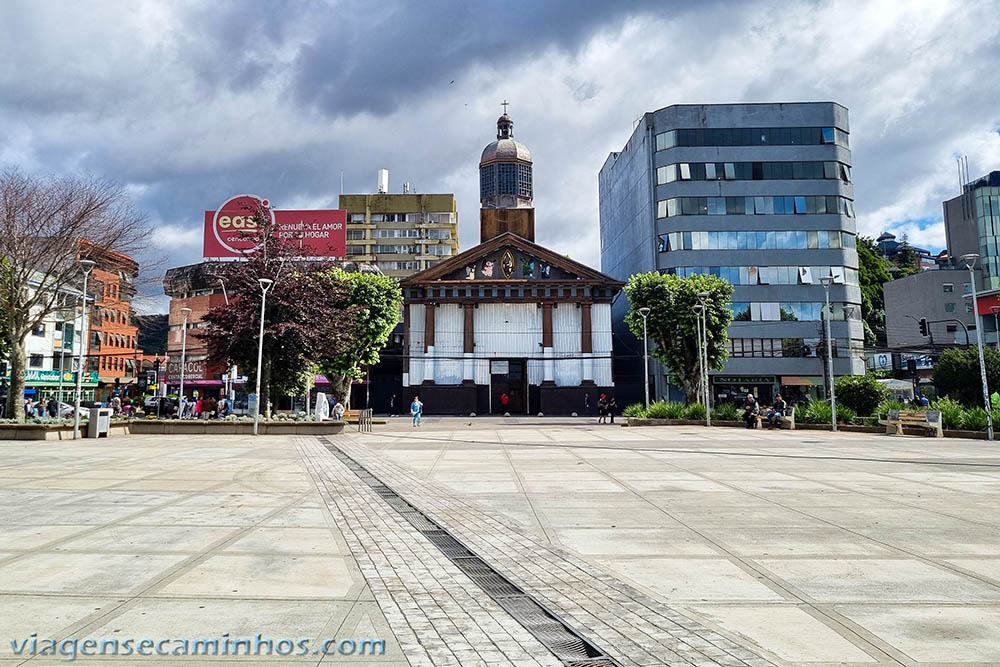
206 427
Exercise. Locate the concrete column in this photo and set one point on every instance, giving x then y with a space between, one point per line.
586 332
469 328
547 325
429 343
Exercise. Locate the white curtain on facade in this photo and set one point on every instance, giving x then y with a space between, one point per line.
600 319
448 343
566 323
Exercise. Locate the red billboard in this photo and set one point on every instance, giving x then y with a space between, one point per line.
229 231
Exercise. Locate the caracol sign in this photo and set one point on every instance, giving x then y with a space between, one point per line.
230 230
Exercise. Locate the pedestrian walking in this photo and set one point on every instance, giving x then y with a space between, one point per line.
392 405
52 406
29 407
504 400
602 409
416 410
612 407
586 403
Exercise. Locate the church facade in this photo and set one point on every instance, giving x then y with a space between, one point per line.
508 326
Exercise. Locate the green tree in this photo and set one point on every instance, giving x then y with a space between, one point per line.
873 272
861 393
907 259
378 300
47 225
956 373
307 318
672 324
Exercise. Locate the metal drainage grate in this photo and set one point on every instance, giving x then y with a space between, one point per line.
554 633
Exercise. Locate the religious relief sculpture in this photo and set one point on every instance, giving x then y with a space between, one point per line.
470 272
507 264
544 270
488 268
527 268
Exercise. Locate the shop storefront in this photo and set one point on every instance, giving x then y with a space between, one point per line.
734 388
796 389
42 384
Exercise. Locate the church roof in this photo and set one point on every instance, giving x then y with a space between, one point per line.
567 267
505 150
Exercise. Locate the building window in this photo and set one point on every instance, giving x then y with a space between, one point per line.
355 234
35 360
949 307
357 250
39 330
757 136
948 287
765 205
754 171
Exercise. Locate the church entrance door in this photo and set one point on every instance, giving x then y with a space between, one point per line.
508 378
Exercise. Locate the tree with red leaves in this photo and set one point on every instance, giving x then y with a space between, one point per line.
307 320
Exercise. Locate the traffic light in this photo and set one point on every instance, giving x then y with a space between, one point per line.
923 326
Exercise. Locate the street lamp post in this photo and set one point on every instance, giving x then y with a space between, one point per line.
184 329
698 310
704 351
827 281
644 311
970 261
265 284
86 265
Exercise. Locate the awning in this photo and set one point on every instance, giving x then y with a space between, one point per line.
801 381
896 385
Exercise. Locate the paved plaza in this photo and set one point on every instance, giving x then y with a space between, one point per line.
660 545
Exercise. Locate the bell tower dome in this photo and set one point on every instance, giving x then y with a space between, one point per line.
506 189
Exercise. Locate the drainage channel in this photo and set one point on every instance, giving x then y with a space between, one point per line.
553 632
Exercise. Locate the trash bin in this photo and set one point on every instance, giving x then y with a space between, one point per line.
99 423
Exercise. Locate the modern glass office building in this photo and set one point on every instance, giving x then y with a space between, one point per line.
761 195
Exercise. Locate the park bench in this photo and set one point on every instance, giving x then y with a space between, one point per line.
929 420
787 420
351 415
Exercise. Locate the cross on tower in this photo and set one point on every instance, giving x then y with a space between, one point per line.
504 105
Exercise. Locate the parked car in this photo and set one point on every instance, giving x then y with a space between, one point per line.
165 406
66 410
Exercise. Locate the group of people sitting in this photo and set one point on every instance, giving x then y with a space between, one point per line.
752 410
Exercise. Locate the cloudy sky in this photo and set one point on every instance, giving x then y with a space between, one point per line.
190 102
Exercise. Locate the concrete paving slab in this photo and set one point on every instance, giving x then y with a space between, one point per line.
634 541
790 633
858 580
684 579
147 539
932 634
20 615
266 576
287 541
82 573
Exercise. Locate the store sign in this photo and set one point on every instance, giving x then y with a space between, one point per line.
36 377
499 367
231 231
193 370
743 379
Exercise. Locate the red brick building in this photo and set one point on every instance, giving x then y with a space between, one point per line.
195 287
113 350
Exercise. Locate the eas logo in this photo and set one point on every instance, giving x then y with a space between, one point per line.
234 225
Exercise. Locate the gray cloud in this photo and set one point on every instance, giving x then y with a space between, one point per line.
191 103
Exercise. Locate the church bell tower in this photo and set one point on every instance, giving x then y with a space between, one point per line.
505 185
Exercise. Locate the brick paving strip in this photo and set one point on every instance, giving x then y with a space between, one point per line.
419 588
438 615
